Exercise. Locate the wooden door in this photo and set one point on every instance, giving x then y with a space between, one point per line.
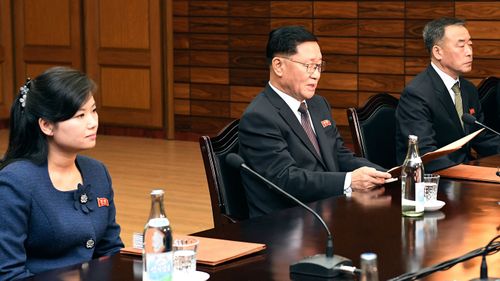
6 70
124 56
47 33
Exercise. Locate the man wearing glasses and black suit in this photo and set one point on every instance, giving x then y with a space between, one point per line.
287 133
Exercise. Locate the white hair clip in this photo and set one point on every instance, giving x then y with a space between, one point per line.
23 92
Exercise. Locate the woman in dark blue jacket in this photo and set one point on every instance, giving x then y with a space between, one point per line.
56 206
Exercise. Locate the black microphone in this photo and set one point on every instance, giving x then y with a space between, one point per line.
483 272
471 120
320 265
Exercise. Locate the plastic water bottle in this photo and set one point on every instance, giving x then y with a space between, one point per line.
412 185
157 253
369 269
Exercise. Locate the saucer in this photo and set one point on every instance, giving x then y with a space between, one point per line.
195 276
433 205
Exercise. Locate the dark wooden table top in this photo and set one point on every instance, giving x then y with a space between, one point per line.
470 218
490 161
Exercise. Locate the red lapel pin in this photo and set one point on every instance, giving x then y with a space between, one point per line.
325 123
102 202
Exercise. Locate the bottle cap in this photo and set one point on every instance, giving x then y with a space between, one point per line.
157 192
368 256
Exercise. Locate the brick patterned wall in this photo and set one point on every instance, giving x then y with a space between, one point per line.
370 47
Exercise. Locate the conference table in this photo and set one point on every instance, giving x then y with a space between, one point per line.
369 222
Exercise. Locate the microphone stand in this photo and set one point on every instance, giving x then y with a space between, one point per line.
321 265
469 119
483 272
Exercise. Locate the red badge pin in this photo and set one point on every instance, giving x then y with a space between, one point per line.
472 111
325 123
102 202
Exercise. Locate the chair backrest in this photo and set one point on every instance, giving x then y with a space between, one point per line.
373 130
227 195
489 96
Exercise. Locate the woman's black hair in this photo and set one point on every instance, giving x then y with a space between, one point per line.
55 96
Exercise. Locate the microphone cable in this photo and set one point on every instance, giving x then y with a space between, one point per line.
491 248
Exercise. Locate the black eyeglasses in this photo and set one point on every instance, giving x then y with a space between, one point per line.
310 67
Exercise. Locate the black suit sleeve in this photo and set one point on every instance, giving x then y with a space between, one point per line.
414 117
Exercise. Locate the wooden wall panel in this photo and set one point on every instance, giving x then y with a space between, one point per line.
369 46
291 9
125 88
35 69
478 10
7 83
250 9
486 49
208 41
380 9
340 63
332 9
208 25
182 90
210 92
340 99
244 93
208 8
338 81
180 8
484 29
125 57
248 60
381 83
237 109
47 23
277 22
381 28
389 65
334 27
429 9
47 33
339 45
384 47
209 75
120 23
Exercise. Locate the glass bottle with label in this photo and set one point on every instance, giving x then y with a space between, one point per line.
157 254
412 177
369 269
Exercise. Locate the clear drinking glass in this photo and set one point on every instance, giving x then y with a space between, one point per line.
431 182
185 257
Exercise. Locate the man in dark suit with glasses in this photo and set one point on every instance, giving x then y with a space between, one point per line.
288 135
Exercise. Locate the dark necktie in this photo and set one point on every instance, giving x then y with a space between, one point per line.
458 102
306 124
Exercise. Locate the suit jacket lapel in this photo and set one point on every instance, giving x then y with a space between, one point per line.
291 119
444 97
324 144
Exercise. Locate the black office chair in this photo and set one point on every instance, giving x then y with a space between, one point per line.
489 96
373 130
227 195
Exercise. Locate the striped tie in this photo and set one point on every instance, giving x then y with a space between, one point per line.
458 102
306 124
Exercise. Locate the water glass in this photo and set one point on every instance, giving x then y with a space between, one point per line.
431 187
184 257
